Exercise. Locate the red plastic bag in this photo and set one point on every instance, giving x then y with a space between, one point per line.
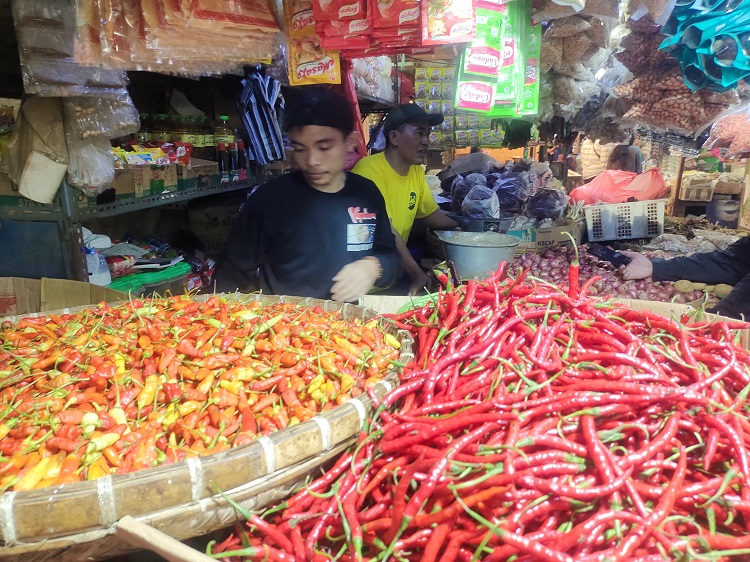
616 186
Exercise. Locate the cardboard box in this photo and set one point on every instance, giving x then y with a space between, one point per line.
25 296
540 239
10 197
213 224
200 173
728 188
153 180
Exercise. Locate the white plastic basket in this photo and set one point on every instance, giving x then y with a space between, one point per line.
622 221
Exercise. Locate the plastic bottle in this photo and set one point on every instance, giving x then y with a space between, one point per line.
224 163
98 269
195 136
223 132
241 161
209 140
159 130
144 134
234 172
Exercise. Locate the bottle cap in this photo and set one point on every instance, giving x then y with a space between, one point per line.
241 145
232 146
224 117
222 146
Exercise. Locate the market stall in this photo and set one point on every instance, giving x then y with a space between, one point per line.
560 393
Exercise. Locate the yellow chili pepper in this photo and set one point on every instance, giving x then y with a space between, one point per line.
205 385
391 340
347 382
4 430
233 387
32 477
171 415
148 392
315 384
102 442
188 407
98 468
55 463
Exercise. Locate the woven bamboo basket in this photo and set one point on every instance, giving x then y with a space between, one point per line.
76 521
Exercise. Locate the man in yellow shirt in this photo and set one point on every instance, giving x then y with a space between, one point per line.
400 177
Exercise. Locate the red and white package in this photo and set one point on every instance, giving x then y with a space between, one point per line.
337 28
476 95
327 10
345 42
448 22
394 13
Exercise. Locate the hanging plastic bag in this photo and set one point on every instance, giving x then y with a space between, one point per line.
547 204
480 203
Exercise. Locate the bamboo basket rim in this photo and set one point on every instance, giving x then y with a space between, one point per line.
275 462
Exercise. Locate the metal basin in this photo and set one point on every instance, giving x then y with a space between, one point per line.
477 254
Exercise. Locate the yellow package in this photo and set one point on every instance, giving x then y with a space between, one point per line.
309 63
299 18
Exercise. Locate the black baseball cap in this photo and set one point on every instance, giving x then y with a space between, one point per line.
409 113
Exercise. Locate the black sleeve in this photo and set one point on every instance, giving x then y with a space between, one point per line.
239 268
384 247
737 303
728 266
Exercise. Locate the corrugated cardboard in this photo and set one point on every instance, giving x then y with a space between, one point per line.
213 224
37 156
24 296
153 180
540 239
200 173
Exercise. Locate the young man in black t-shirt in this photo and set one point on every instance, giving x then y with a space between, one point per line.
320 231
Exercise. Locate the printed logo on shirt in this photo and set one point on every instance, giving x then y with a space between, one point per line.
358 215
359 237
412 201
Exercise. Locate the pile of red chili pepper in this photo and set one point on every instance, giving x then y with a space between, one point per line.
114 389
536 424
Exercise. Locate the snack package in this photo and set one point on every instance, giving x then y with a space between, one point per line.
475 95
530 99
346 27
310 63
327 10
421 90
394 13
448 21
435 74
300 21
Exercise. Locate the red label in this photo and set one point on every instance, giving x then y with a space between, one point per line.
315 68
350 11
302 20
409 15
475 95
483 60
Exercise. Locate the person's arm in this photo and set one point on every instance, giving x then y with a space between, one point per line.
737 303
242 258
728 266
438 220
380 269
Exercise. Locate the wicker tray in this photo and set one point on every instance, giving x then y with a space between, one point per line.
76 521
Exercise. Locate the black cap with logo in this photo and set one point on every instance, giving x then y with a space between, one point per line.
409 113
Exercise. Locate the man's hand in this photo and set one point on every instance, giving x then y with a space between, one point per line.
639 268
419 282
355 279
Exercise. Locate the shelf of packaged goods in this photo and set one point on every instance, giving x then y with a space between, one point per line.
139 203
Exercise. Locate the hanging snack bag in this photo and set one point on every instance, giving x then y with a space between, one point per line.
310 63
327 10
300 21
475 95
451 21
394 13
